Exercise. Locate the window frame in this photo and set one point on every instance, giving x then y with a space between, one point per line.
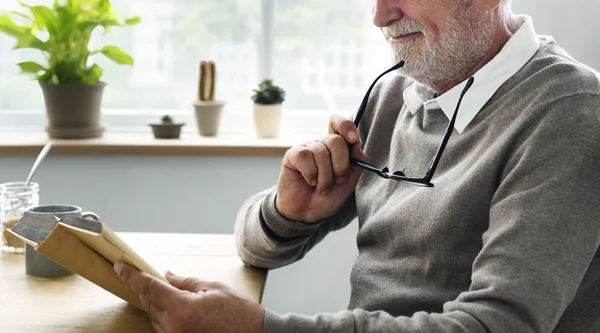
233 121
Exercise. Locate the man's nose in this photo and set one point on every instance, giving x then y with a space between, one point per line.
386 11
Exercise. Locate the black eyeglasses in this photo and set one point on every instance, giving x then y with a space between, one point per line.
399 175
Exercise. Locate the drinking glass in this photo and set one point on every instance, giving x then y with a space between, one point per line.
15 200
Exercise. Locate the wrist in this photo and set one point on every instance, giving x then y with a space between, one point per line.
281 226
302 218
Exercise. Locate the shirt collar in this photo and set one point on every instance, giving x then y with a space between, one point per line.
514 55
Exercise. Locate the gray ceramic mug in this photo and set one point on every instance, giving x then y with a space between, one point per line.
37 264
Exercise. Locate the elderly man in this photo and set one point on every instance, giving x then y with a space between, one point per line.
490 224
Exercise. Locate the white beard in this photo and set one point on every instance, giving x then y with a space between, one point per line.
462 42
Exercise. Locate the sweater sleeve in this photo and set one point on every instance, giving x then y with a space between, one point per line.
266 239
544 231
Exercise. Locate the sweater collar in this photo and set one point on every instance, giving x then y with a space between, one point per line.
519 49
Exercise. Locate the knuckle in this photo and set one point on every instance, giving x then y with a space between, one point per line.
336 144
303 153
320 148
296 152
337 141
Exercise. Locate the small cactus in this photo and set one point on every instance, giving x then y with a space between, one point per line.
206 81
167 119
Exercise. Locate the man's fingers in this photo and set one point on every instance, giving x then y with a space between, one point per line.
340 156
357 152
184 283
343 126
300 158
154 291
322 157
191 284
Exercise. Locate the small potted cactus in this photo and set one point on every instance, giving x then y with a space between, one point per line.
166 128
268 108
207 109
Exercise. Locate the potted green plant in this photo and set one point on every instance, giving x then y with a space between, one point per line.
69 81
166 128
268 109
207 109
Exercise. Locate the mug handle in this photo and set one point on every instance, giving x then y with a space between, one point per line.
92 215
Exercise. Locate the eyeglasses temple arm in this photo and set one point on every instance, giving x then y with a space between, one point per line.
363 104
438 155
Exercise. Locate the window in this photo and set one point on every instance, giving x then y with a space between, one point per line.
152 46
323 53
327 58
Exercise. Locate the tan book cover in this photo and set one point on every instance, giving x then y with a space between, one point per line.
86 247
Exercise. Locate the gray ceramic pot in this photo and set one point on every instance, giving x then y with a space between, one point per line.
73 110
208 116
166 130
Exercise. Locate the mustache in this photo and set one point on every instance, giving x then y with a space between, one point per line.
401 28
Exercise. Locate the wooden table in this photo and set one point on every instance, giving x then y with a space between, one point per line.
73 304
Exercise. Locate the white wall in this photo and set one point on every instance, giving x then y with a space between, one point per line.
202 195
574 24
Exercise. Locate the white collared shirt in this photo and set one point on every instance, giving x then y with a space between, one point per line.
519 49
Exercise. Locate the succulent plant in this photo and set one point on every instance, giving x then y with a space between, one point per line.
167 119
268 93
206 81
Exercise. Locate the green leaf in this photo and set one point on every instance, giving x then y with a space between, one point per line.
104 22
69 24
133 20
71 5
44 18
48 77
10 28
20 15
117 55
31 67
93 75
30 42
103 6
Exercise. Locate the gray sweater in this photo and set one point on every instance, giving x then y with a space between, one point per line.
506 241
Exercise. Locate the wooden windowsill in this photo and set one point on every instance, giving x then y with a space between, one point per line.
144 144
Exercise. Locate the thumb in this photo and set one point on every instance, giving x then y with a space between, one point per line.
357 152
184 283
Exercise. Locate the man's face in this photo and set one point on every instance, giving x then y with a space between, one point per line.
438 40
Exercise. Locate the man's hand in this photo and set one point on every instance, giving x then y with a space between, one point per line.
317 178
192 305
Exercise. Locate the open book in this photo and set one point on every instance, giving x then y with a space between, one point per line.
86 247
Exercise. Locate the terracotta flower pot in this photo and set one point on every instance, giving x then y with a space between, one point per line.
267 120
73 110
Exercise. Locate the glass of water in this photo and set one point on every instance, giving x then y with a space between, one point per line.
15 200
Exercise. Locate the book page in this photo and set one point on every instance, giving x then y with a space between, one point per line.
103 240
65 248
